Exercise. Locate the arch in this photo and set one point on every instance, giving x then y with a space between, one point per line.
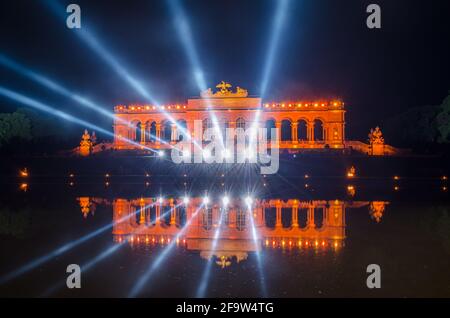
182 126
136 131
302 217
286 217
302 130
166 131
150 131
270 123
318 130
319 216
240 123
286 130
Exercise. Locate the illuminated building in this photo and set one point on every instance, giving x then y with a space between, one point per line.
301 124
313 224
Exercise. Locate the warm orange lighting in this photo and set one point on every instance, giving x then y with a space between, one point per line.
351 172
24 173
444 178
306 176
24 187
396 188
396 177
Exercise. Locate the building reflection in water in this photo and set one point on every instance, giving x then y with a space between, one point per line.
289 224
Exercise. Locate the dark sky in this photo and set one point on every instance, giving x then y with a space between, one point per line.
325 50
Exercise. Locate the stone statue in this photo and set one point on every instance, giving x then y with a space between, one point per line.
85 144
224 87
376 136
224 91
377 210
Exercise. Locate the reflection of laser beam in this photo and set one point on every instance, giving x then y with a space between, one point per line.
137 287
60 250
53 111
205 277
52 85
258 256
109 251
279 19
103 53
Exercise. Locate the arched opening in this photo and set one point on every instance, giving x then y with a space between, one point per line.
286 130
269 125
318 217
150 131
318 130
206 124
302 132
166 131
240 123
286 217
270 216
181 129
302 217
136 134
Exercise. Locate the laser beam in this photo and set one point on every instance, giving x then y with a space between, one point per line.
278 22
58 113
104 53
60 250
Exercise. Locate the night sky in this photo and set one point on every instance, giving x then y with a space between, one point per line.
325 50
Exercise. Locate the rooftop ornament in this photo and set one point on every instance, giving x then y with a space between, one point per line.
224 91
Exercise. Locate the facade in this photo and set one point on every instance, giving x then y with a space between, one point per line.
301 124
313 224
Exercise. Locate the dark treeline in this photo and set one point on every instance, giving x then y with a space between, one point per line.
26 132
423 128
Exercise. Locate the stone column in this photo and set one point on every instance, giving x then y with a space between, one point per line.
278 216
310 130
143 134
294 132
295 215
158 213
158 133
310 218
172 212
174 135
142 212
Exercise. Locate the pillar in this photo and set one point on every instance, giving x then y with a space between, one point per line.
310 218
295 215
294 132
141 211
173 135
278 216
311 132
172 213
158 214
158 133
143 134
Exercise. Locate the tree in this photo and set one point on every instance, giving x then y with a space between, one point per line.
14 125
443 120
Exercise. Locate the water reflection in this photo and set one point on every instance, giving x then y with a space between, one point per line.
229 232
